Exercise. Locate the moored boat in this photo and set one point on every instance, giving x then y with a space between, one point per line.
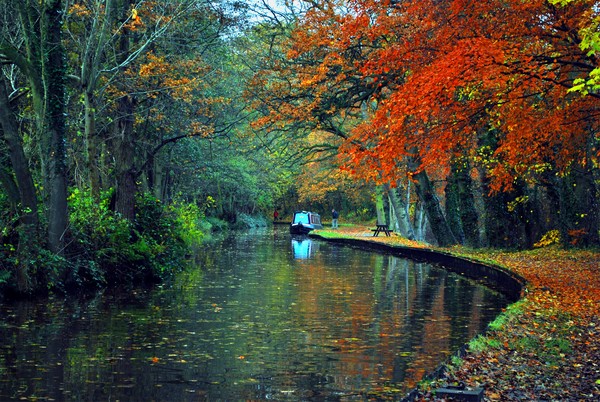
304 222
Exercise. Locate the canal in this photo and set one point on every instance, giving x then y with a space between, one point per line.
263 316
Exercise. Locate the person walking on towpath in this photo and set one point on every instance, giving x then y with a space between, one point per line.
334 220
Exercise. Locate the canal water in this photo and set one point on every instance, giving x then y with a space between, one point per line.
263 316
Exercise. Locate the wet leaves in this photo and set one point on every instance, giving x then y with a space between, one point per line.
548 350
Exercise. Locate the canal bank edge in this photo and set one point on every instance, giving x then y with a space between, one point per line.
502 280
494 277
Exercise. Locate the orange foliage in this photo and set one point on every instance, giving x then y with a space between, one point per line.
436 77
80 11
559 279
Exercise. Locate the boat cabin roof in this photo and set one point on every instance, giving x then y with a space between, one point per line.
306 217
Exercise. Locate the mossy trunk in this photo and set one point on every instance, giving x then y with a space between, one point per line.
124 151
380 204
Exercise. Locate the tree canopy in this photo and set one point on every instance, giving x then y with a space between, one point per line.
419 86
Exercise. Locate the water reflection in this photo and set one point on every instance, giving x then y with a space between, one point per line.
250 323
303 247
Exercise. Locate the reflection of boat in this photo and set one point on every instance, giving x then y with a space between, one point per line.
304 222
302 248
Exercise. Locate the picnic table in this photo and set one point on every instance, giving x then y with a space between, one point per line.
381 228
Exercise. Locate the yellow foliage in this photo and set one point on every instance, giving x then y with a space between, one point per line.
552 237
79 10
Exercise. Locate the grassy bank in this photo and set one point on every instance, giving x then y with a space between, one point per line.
544 347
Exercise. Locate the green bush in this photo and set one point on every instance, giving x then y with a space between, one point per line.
113 250
105 249
159 237
189 220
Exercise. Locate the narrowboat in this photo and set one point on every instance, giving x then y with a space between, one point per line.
304 222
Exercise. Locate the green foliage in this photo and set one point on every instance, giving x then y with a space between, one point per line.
158 241
107 249
114 250
250 221
41 268
482 343
189 219
456 361
329 234
361 214
590 43
503 319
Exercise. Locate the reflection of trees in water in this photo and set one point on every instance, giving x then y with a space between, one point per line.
431 311
341 320
397 326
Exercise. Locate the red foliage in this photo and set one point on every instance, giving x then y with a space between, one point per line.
443 75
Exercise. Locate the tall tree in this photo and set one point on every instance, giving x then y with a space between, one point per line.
41 61
21 189
36 50
19 164
54 73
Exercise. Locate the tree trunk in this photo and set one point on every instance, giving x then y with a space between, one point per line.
91 137
8 184
453 206
126 187
461 203
437 220
399 209
420 222
20 165
25 196
54 74
379 205
93 58
468 213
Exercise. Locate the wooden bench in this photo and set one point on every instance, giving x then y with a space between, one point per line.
381 228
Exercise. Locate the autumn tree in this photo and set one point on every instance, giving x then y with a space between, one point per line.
446 75
319 87
512 70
